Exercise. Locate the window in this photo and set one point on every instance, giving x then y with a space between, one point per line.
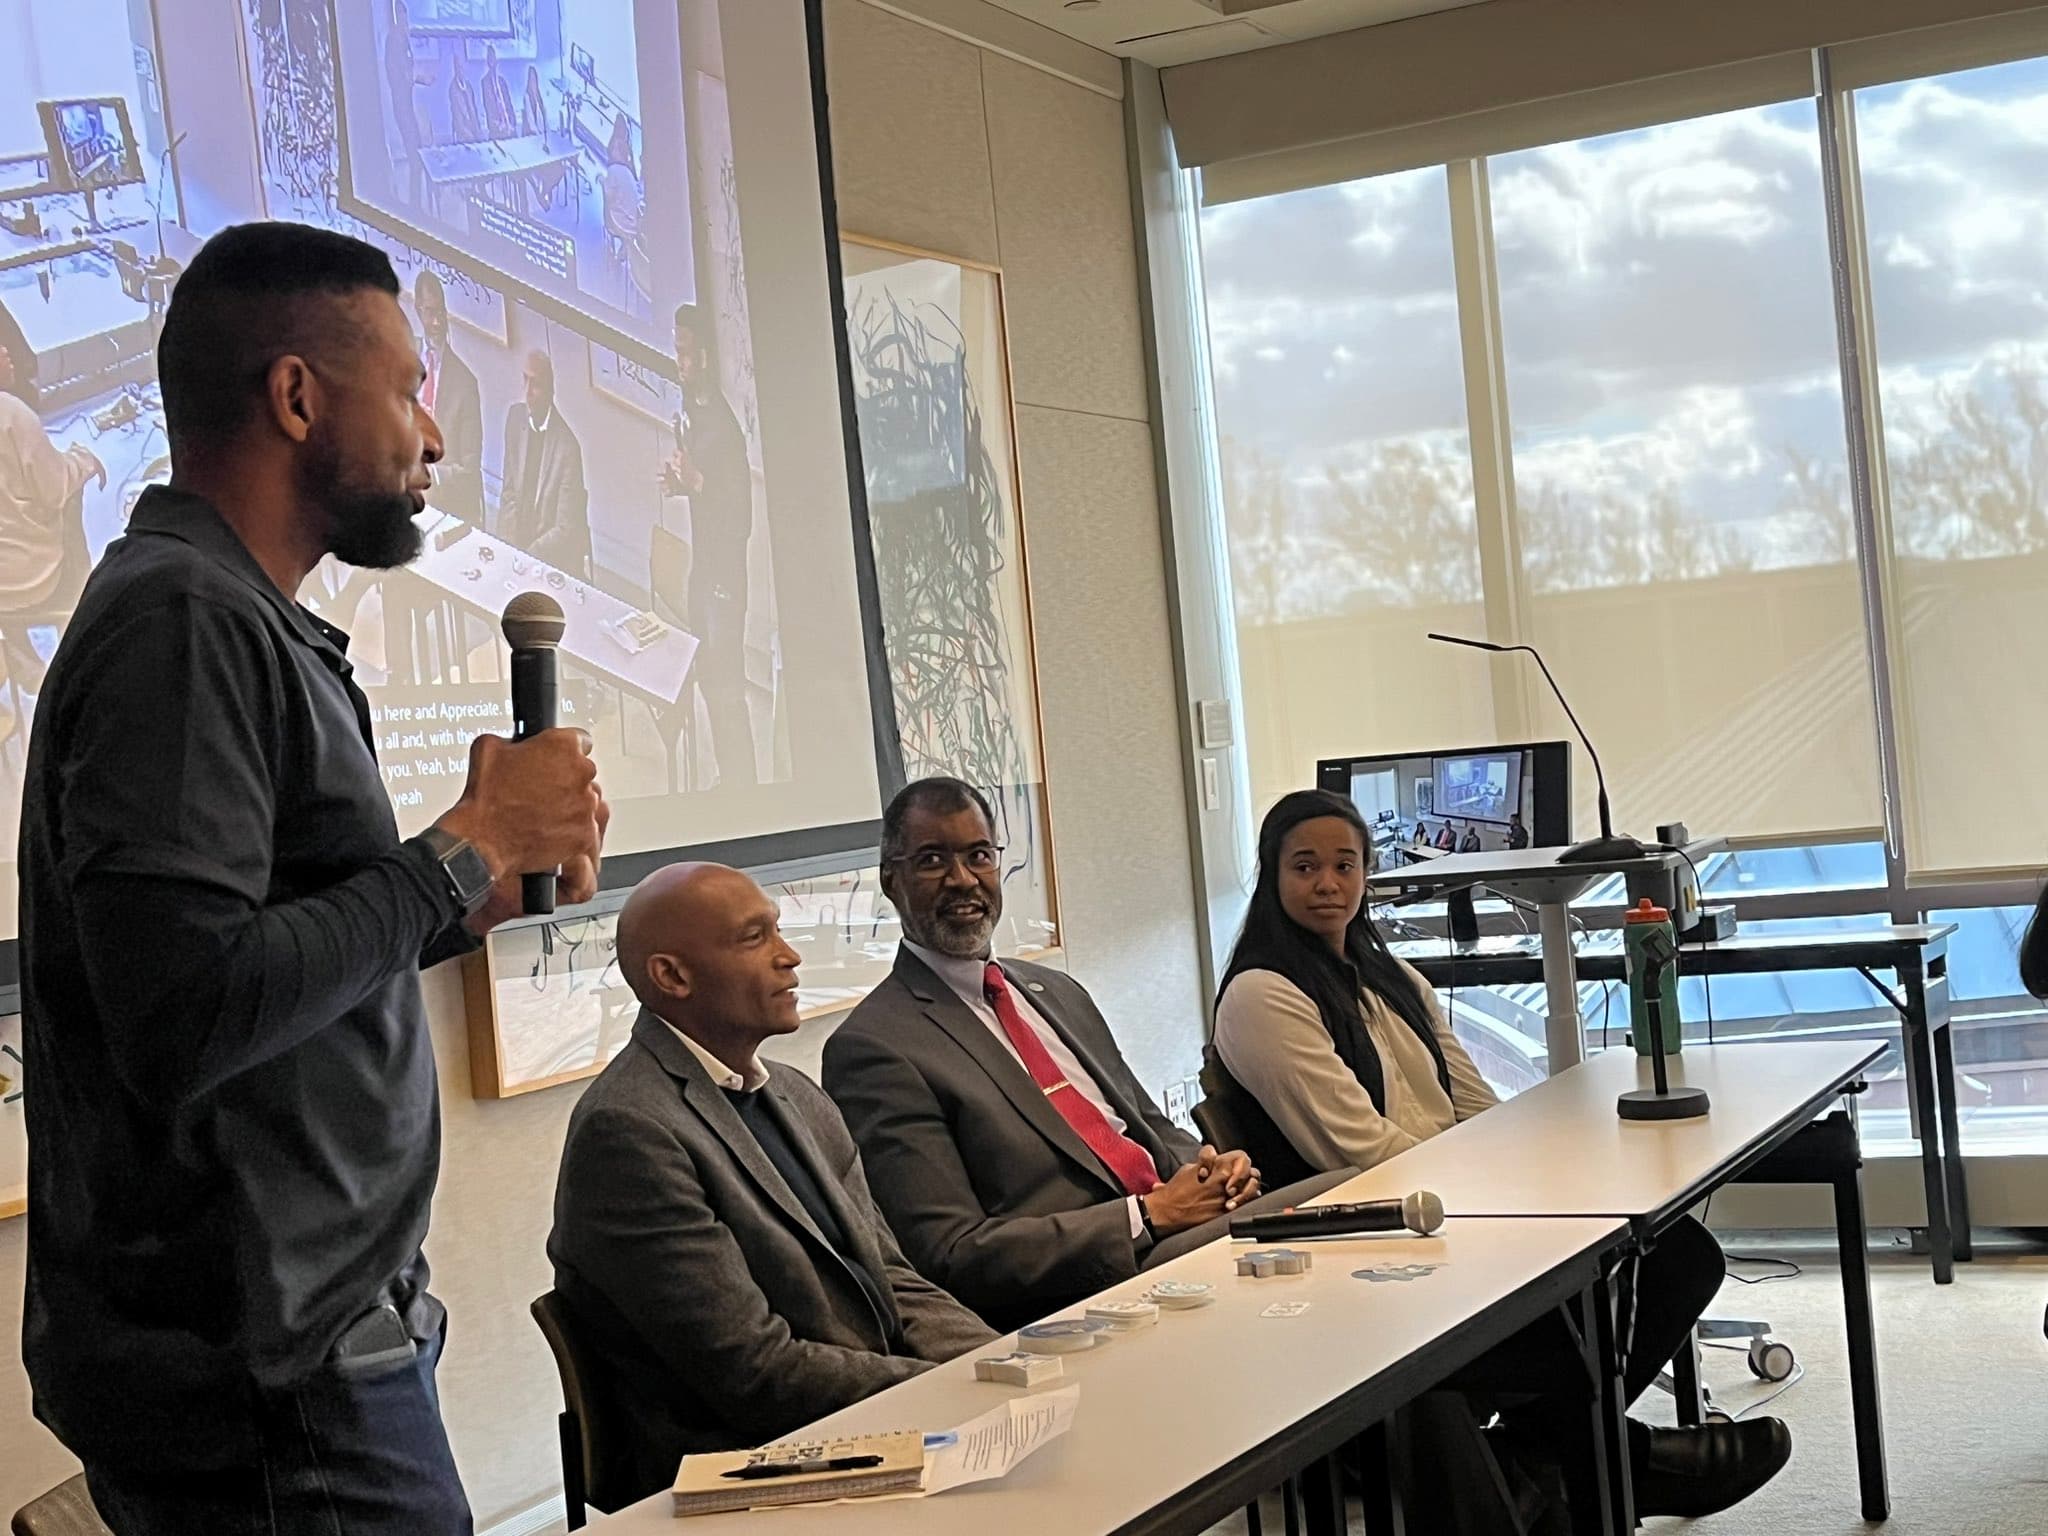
1347 476
1643 324
2001 1034
1681 492
1955 193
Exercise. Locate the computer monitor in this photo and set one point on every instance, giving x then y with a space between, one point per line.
91 144
1479 793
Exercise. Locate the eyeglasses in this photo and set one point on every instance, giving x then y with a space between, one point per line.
937 863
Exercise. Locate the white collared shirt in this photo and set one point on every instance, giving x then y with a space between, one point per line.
964 975
752 1079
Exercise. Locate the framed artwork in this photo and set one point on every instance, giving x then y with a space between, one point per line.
931 385
13 1131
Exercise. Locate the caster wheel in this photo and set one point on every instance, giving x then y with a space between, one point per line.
1772 1361
1719 1416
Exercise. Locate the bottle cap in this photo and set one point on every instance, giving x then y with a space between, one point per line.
1647 911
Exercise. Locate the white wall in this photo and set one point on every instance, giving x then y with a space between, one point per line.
996 160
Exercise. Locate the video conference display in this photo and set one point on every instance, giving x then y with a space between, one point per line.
606 219
1475 801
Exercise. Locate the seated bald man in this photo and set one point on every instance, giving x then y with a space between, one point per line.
1015 1153
714 1236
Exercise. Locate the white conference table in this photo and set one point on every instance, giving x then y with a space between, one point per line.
1181 1423
1561 1149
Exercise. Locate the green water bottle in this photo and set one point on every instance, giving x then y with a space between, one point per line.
1650 944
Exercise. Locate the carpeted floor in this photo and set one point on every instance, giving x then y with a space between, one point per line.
1964 1373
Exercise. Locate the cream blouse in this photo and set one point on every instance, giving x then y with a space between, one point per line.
1270 1036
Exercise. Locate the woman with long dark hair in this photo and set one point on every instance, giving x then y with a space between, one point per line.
1339 1041
1344 1048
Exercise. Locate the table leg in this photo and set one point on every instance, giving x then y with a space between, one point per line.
1927 1123
1685 1382
1863 1390
1597 1482
1952 1139
1322 1499
1564 1032
1381 1453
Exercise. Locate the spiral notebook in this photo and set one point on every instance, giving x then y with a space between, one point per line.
800 1472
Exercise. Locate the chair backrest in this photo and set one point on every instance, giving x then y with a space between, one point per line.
588 1416
1231 1120
66 1510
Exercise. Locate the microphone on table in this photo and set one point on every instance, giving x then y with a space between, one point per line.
533 625
1421 1213
1594 850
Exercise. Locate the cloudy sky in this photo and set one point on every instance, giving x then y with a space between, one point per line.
1665 297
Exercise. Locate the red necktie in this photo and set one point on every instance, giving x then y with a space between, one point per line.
1131 1163
427 387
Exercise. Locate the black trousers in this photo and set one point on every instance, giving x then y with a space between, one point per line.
363 1456
1676 1281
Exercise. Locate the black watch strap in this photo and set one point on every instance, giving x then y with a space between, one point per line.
469 877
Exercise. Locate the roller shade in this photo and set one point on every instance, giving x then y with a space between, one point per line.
1484 60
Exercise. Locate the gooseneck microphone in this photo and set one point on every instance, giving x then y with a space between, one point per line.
1421 1213
533 625
1594 850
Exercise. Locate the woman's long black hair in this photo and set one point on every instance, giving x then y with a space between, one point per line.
1273 941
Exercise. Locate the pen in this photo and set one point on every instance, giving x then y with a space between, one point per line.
799 1468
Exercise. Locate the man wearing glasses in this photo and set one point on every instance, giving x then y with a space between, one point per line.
1018 1159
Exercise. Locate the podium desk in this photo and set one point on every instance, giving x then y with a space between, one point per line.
1915 953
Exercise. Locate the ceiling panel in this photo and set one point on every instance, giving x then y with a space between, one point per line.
1176 31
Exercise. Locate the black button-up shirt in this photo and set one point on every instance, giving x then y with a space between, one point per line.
232 1113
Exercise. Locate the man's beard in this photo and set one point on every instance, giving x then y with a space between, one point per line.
962 941
373 530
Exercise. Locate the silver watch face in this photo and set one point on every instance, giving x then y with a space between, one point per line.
468 873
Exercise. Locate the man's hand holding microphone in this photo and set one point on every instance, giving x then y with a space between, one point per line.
532 808
531 805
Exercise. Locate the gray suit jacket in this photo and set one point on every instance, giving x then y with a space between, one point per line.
723 1315
556 528
993 1194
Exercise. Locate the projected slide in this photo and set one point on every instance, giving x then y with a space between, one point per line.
606 220
523 137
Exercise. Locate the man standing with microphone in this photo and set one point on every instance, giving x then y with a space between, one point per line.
234 1126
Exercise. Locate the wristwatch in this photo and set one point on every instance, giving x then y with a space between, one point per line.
469 877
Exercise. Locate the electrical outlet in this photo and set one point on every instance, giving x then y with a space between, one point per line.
1177 1103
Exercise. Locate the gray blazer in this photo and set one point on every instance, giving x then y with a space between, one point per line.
993 1194
725 1318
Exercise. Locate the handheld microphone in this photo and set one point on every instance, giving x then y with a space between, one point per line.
533 625
1421 1213
1594 850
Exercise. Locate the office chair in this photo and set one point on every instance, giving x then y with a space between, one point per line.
66 1510
1230 1119
584 1425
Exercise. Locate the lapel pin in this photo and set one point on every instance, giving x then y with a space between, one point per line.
1034 986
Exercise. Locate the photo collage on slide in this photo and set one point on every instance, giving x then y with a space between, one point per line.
554 181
